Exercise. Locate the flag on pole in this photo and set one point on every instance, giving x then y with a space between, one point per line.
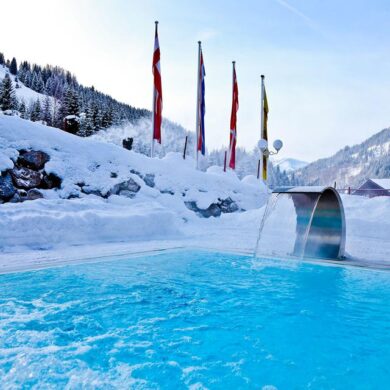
264 128
201 108
233 122
157 91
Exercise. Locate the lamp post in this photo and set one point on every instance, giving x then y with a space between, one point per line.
266 152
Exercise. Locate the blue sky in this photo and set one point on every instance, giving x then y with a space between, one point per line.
327 63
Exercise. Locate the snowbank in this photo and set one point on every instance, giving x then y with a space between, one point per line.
44 224
74 214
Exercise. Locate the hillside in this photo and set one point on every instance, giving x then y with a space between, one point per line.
52 94
351 165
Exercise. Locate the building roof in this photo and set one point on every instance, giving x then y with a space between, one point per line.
384 183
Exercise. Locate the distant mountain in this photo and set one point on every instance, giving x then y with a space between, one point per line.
349 166
289 165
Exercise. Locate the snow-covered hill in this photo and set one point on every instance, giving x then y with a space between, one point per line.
351 165
173 136
108 193
289 165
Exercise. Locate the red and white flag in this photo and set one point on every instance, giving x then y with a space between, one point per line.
233 122
157 91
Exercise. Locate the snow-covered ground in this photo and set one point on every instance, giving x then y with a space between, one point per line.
55 230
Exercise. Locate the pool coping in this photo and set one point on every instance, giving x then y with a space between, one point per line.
92 257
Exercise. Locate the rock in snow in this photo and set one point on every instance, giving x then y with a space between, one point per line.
7 189
34 194
26 178
126 188
33 159
50 181
215 209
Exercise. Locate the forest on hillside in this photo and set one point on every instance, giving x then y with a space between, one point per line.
65 103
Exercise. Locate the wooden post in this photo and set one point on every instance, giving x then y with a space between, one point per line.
224 162
185 148
349 190
258 169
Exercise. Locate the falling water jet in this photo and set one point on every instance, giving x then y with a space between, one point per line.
303 222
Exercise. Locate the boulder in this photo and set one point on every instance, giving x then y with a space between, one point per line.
126 188
7 189
34 159
50 181
215 209
92 191
16 198
34 194
228 205
212 211
149 180
26 178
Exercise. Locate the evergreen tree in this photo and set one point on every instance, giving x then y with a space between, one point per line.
27 79
13 67
37 82
7 94
23 110
2 59
36 111
47 112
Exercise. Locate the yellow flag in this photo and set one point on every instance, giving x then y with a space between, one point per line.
264 135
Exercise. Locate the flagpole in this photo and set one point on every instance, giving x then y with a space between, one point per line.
154 103
197 107
262 123
230 133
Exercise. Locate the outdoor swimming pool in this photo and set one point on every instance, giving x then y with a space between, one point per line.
196 320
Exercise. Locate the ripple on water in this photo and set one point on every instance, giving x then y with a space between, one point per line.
195 320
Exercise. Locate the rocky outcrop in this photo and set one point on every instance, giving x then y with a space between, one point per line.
27 177
215 209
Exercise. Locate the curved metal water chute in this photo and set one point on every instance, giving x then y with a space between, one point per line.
317 229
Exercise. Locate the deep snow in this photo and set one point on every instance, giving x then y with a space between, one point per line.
55 230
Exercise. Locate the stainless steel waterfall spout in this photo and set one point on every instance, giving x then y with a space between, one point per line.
320 228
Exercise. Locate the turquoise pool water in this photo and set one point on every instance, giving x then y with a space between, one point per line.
195 320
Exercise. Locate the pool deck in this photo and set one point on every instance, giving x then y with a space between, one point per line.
40 259
232 234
